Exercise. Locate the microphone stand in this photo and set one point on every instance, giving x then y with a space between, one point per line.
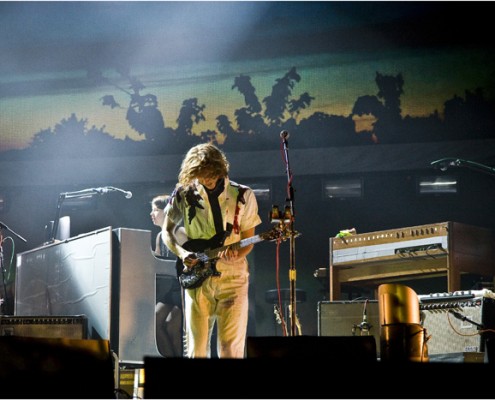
290 214
78 194
61 198
476 166
3 226
459 162
3 272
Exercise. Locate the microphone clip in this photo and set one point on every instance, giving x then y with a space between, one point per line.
364 328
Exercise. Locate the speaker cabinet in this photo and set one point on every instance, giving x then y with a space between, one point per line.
345 318
75 327
448 334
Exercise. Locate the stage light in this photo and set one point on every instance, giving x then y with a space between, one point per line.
342 188
3 202
262 191
436 185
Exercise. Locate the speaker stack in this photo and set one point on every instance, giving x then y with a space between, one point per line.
68 327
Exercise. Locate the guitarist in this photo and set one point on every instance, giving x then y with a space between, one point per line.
215 212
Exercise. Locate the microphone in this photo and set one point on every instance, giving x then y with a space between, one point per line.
365 325
457 315
464 318
107 189
127 194
444 163
284 134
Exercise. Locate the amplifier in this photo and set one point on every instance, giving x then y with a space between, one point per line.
447 334
457 325
67 327
345 318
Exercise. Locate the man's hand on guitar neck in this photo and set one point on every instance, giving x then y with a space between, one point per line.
229 254
233 252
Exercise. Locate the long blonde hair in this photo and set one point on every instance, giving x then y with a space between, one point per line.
203 160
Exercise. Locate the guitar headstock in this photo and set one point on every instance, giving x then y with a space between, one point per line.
279 232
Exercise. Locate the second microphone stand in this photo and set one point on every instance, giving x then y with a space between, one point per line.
61 198
290 214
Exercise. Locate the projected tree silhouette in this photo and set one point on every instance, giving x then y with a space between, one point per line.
257 124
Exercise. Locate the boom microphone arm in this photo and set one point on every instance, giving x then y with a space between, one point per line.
444 163
78 194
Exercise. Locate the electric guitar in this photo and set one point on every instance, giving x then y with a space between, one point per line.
207 252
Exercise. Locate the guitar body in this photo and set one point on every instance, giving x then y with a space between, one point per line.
204 268
207 251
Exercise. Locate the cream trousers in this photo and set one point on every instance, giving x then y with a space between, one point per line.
221 299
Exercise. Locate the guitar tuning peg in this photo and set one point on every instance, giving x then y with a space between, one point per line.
287 214
274 215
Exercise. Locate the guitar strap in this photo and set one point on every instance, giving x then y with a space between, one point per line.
240 199
217 213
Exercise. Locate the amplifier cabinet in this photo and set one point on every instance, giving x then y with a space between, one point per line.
448 334
66 327
94 274
345 318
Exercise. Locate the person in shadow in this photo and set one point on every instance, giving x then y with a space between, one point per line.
168 309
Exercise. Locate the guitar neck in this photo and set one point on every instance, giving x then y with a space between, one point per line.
213 253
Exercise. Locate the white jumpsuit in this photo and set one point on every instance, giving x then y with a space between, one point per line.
222 299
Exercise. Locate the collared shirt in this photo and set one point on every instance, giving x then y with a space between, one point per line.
192 207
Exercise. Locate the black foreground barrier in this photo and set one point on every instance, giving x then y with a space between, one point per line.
315 367
51 368
309 379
